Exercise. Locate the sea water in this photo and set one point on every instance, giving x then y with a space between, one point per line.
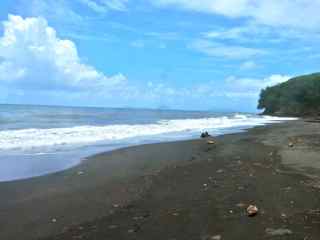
37 140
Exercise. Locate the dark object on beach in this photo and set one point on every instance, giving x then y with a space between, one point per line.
252 210
205 135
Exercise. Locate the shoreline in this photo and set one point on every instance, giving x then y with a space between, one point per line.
32 152
105 190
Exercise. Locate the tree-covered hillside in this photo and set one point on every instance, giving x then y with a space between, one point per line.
300 96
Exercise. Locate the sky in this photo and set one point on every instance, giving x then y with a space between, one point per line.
178 54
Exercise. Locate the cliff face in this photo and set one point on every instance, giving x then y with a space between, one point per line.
299 96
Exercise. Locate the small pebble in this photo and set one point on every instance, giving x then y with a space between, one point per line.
216 237
252 210
283 215
278 232
112 226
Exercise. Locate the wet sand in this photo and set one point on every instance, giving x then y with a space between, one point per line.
180 190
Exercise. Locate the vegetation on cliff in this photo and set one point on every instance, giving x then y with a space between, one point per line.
299 96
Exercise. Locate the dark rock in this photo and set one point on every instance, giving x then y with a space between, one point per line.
205 135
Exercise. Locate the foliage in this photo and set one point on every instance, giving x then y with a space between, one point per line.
300 96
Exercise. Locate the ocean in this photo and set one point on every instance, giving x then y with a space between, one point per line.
37 140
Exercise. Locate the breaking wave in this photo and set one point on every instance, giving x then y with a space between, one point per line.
35 138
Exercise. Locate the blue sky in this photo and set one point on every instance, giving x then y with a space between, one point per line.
182 54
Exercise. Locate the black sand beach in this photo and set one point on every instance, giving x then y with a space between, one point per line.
181 190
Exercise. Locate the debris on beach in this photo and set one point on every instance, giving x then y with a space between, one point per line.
278 232
252 210
220 171
291 144
283 215
211 142
216 237
80 173
205 135
53 220
136 228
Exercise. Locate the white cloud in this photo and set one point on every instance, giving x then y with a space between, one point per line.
232 33
248 65
215 49
102 6
270 12
235 88
164 35
55 10
253 32
33 57
255 84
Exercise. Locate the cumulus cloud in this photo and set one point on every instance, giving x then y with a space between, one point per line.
270 12
256 84
33 57
215 49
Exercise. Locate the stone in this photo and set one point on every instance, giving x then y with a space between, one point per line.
216 237
205 135
278 232
252 210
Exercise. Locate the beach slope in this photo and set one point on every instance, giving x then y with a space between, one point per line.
181 190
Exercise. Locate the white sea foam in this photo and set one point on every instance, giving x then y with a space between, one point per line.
28 139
